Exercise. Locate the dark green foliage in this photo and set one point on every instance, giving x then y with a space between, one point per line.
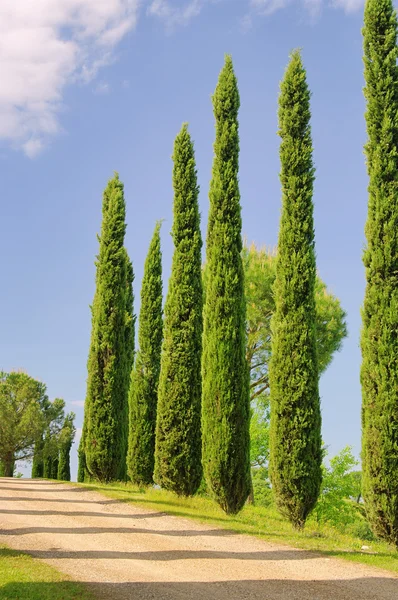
379 373
226 410
37 465
65 442
178 436
128 359
82 472
145 374
295 436
54 468
106 420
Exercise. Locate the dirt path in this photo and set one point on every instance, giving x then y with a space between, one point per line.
126 552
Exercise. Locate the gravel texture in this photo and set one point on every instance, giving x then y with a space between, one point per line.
126 552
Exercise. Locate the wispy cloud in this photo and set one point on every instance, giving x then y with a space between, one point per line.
77 403
268 7
349 6
173 14
44 46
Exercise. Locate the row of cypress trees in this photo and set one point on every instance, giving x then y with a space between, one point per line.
188 402
198 385
167 424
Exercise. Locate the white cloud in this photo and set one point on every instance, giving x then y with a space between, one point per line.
268 7
349 6
173 13
44 46
77 403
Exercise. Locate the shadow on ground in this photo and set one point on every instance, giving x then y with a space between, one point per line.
365 588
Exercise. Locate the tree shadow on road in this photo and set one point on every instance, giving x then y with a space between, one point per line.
372 588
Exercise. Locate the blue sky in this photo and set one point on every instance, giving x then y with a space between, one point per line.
90 86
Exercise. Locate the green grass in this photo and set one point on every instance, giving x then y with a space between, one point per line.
25 578
265 523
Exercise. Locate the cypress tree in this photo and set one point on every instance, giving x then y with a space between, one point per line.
66 438
295 436
127 358
225 410
37 464
106 423
82 472
145 374
379 342
54 467
178 437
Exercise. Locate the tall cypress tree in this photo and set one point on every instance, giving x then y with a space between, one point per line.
379 373
106 424
178 437
225 410
143 392
295 437
127 363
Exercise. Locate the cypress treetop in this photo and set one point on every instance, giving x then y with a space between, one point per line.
178 437
379 341
225 400
145 373
295 436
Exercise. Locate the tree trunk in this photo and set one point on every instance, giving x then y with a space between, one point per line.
250 498
9 464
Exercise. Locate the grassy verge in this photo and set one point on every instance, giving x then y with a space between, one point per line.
25 578
265 523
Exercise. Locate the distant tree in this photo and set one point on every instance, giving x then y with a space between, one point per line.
178 437
46 449
21 417
65 442
225 408
37 464
143 392
295 436
338 491
379 341
105 429
330 319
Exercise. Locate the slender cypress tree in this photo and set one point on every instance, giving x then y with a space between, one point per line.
54 467
379 373
145 373
82 472
37 464
66 437
225 409
295 437
126 366
178 437
105 433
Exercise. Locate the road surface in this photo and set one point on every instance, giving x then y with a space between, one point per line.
125 552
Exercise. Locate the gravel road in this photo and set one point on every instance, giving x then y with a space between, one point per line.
126 552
